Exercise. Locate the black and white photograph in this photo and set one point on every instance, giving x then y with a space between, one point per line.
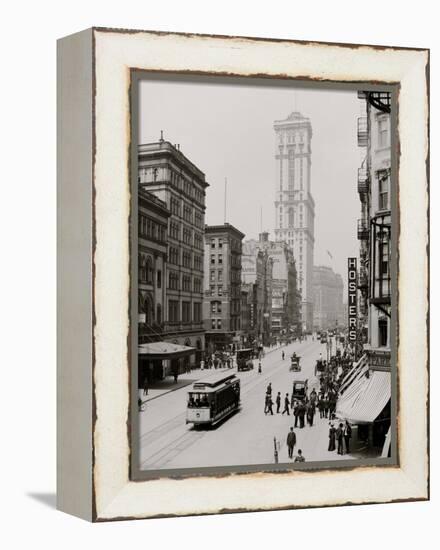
264 280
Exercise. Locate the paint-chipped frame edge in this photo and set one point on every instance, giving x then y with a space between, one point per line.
84 488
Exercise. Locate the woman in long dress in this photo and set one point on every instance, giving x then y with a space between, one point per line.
332 438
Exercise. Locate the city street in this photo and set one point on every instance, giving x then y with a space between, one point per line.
247 437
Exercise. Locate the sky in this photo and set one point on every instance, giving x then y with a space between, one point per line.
226 130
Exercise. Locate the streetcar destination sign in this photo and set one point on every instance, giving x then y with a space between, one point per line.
352 299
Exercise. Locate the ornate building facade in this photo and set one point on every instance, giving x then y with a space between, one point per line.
294 204
169 175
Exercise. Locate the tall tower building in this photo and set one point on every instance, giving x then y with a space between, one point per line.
294 204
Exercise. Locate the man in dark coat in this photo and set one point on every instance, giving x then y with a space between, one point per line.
347 436
310 412
286 405
269 389
301 414
296 412
340 439
278 401
269 404
291 442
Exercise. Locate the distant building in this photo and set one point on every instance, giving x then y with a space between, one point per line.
294 204
257 281
168 174
328 293
222 287
285 297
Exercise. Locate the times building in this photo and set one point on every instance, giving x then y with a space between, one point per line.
294 204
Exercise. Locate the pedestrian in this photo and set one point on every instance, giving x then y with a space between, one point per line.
291 442
146 385
269 404
286 405
202 365
326 406
299 457
266 403
313 396
347 436
321 407
269 389
140 405
331 438
340 439
296 413
310 413
278 401
259 367
301 414
282 355
176 375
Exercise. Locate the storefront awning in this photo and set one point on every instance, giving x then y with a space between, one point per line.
355 372
164 350
365 398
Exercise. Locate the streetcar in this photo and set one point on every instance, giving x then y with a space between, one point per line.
244 359
213 399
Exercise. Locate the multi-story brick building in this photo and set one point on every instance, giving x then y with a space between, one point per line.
168 174
222 275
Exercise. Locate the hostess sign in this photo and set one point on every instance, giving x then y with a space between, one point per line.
352 299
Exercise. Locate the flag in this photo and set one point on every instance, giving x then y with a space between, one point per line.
329 254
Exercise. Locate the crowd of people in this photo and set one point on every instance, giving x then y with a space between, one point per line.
322 401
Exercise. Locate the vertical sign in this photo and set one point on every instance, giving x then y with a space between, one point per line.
352 299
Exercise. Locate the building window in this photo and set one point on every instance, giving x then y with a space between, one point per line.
150 272
197 312
220 243
212 258
216 306
213 324
382 128
212 243
186 312
173 311
212 289
159 278
220 258
219 323
159 313
383 332
383 178
220 290
212 276
220 275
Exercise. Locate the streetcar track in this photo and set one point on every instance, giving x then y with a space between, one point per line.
166 453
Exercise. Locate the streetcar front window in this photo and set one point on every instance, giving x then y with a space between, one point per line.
196 400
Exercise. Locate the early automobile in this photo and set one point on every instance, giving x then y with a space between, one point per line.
295 363
299 390
244 359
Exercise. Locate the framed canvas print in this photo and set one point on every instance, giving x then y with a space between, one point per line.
242 274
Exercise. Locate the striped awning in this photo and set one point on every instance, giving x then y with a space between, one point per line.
365 398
